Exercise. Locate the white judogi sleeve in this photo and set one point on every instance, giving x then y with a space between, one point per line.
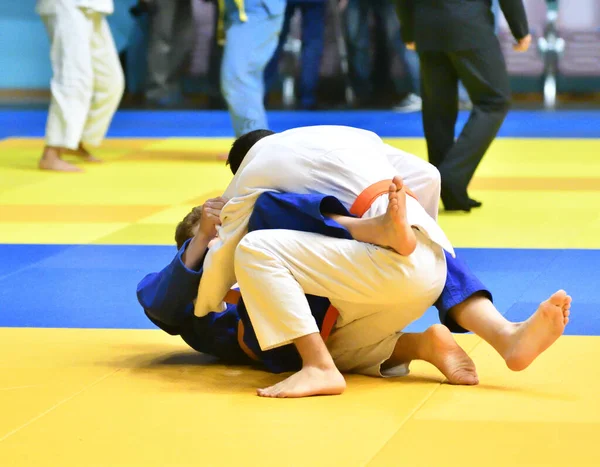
339 161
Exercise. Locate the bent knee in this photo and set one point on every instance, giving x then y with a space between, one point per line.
115 86
499 104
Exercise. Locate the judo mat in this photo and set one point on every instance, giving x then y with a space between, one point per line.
85 379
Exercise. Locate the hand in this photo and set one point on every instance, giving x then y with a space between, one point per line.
211 212
523 44
411 46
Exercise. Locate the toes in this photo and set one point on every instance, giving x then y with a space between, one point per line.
397 180
558 298
266 392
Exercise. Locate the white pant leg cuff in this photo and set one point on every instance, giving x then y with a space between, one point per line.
279 341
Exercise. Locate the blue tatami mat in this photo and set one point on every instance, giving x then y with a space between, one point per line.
566 124
93 286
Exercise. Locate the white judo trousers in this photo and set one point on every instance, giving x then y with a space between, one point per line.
376 291
87 78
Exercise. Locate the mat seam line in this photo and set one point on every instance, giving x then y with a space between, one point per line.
424 401
406 419
57 405
415 410
31 265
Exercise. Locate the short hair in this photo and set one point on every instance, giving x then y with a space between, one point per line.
185 229
242 145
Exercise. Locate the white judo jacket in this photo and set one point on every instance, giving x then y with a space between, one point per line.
332 160
51 7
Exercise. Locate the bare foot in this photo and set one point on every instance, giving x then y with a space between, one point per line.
83 153
51 161
392 228
309 381
442 351
530 338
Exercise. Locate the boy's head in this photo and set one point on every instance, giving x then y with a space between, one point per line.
242 145
188 227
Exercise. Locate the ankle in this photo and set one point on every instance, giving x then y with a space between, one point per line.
504 338
320 365
51 152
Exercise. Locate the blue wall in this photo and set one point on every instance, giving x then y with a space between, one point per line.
24 47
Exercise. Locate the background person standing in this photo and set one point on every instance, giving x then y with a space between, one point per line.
456 41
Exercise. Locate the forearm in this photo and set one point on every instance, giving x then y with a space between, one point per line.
167 296
514 12
405 11
195 251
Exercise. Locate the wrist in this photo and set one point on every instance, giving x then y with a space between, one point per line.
195 251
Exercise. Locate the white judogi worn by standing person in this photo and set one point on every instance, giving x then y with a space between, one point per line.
87 79
373 288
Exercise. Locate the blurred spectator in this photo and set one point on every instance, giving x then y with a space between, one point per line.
170 41
252 30
87 79
313 29
457 40
356 20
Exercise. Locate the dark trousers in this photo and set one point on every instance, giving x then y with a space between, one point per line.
171 37
484 74
313 29
358 38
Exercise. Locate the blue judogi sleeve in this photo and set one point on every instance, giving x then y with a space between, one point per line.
298 212
167 298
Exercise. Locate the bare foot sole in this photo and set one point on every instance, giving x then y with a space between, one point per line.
392 228
310 381
57 165
448 357
539 332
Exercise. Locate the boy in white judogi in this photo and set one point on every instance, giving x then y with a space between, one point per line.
87 79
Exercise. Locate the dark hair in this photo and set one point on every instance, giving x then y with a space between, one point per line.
185 229
242 145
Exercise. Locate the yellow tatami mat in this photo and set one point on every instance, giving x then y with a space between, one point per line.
147 185
74 246
98 397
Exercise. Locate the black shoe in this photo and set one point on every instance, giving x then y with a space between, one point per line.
454 208
454 202
474 203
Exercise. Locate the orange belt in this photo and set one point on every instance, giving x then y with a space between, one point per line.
233 297
363 203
